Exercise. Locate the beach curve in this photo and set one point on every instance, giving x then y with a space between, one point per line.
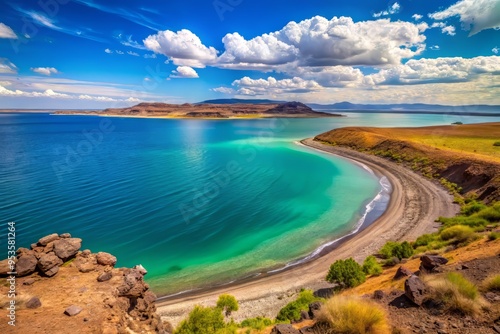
413 208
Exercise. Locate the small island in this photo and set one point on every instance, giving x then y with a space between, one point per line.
208 110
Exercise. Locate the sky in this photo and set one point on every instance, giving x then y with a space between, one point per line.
95 54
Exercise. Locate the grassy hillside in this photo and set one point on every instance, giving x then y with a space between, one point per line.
465 158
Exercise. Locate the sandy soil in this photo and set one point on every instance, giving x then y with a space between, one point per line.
415 204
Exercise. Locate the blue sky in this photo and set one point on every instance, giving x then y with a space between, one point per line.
98 54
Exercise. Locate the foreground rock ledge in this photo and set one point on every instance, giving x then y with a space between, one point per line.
61 289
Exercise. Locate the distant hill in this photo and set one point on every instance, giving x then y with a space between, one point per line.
243 101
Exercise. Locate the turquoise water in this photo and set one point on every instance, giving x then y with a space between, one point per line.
197 202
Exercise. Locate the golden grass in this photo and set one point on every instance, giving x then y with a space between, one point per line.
349 315
457 293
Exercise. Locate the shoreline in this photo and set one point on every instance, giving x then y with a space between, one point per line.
414 205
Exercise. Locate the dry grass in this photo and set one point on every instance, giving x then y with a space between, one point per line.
20 299
349 315
456 293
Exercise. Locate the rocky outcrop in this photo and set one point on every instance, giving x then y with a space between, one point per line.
415 290
84 286
430 263
402 272
284 329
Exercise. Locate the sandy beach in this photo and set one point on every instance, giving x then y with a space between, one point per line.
415 204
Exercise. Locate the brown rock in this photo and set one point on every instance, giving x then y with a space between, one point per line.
415 290
378 294
86 264
33 246
4 267
284 329
34 302
402 272
67 248
141 269
49 238
48 261
22 250
49 248
29 281
26 265
85 253
314 309
133 285
106 259
52 271
73 310
105 276
430 262
65 236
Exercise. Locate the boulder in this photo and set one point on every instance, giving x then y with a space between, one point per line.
378 294
284 329
48 261
49 238
106 259
26 265
34 302
415 289
4 267
314 309
52 271
133 285
86 264
402 272
29 281
304 315
141 269
67 248
430 262
105 276
73 310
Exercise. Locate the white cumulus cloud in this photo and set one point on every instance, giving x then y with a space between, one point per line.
45 70
495 50
7 32
184 48
475 15
248 86
184 72
417 17
108 51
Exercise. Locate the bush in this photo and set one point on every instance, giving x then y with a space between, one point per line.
459 234
371 266
395 249
471 208
493 236
350 315
457 294
227 303
497 143
424 240
492 283
291 312
258 323
203 320
346 273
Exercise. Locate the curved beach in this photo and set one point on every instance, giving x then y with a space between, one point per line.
413 208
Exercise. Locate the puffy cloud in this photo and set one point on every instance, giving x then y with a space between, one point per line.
442 70
417 17
184 72
340 41
45 70
475 15
445 29
183 47
6 32
262 50
495 50
133 99
7 67
108 51
224 90
248 86
391 10
331 76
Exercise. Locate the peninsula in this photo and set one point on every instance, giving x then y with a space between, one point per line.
208 110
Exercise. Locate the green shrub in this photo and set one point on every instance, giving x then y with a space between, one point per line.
491 283
471 208
491 214
346 273
493 236
291 312
459 234
465 287
394 249
203 320
227 303
425 240
497 143
352 316
258 323
371 266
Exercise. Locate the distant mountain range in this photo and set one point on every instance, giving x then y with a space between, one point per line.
486 110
